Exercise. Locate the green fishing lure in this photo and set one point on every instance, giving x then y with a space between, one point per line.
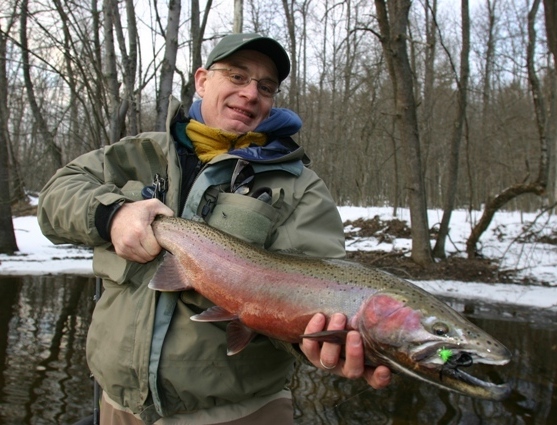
445 354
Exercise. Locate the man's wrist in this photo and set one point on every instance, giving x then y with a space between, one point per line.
103 218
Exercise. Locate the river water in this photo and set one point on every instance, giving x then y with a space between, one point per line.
44 377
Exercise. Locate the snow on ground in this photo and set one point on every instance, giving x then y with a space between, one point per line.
38 256
509 240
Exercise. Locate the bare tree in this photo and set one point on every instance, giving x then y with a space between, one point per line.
550 8
117 108
454 154
538 186
53 149
392 16
197 32
8 243
168 62
486 91
293 97
129 61
428 102
238 16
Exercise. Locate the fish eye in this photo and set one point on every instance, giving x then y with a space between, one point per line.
440 329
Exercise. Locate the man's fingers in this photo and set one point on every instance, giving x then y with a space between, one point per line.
379 377
310 347
354 356
158 208
131 231
330 353
346 360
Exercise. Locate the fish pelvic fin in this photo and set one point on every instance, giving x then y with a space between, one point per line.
238 336
170 276
336 337
214 314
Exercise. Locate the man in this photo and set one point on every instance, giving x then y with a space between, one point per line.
231 156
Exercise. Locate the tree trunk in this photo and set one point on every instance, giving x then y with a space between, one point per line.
54 151
169 62
454 158
550 8
8 244
293 95
130 68
238 16
428 102
393 26
486 107
111 75
197 32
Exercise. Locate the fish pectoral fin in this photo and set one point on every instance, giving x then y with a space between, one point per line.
214 314
336 337
238 336
170 276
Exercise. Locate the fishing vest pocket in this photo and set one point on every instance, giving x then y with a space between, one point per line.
245 217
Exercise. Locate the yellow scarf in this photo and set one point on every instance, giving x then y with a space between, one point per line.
210 142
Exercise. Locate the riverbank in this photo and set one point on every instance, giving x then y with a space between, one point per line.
519 264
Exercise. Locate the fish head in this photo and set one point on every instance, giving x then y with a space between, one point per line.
412 332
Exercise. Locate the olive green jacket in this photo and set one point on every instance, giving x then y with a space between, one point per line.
193 369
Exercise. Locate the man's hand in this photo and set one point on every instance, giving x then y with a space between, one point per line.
131 232
327 356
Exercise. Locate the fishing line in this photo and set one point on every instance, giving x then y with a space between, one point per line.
336 406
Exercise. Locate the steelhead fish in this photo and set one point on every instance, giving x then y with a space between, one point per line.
261 292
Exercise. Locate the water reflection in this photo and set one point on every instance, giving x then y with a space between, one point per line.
43 325
44 377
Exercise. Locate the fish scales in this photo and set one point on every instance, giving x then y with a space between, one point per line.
245 280
402 326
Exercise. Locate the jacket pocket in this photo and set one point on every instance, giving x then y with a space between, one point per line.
110 266
245 217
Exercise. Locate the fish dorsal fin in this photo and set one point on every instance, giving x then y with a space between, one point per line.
238 336
337 337
214 314
170 276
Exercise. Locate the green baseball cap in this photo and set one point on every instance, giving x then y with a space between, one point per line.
252 41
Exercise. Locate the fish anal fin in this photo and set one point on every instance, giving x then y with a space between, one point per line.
238 336
337 337
170 276
214 314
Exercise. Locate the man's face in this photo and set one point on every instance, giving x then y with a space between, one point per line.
231 107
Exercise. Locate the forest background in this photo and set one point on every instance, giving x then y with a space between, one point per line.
426 104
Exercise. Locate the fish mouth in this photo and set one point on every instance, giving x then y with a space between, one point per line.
463 354
456 380
427 364
491 391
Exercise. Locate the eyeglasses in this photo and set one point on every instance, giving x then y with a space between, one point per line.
265 87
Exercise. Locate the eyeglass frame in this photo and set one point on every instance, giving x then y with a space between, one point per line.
249 80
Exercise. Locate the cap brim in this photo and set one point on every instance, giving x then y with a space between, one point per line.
264 45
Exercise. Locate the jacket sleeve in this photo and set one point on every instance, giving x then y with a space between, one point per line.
68 202
314 226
